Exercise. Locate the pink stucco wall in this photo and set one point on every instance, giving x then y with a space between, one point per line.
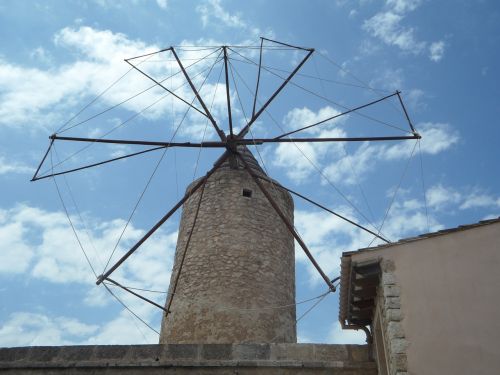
450 298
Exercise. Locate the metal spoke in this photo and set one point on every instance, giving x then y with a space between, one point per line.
97 164
136 142
200 100
244 131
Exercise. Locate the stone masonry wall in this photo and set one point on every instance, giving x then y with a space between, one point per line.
220 359
239 266
389 303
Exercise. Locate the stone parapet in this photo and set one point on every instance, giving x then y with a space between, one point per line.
189 358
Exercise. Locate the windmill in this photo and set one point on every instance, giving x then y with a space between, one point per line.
232 140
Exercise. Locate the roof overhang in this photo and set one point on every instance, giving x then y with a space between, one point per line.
358 291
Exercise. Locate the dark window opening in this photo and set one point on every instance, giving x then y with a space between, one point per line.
247 193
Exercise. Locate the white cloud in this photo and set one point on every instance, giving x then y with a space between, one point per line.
23 329
476 200
297 158
28 328
43 244
388 26
163 4
97 297
337 335
41 55
213 13
390 80
49 95
327 236
403 6
13 167
213 9
16 254
440 197
436 51
414 99
436 138
124 329
349 169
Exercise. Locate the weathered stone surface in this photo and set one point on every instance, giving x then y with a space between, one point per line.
43 353
387 266
393 303
324 352
251 351
76 353
10 355
359 353
395 330
240 262
296 352
395 315
216 351
389 301
145 351
388 278
391 291
399 362
190 359
180 351
111 352
398 346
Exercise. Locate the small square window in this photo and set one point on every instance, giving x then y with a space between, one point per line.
247 193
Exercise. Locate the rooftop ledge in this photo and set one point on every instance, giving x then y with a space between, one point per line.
343 358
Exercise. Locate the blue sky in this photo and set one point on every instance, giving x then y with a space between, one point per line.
57 56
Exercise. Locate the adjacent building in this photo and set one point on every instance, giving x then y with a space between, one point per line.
432 302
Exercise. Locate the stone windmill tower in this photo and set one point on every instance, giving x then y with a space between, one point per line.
234 259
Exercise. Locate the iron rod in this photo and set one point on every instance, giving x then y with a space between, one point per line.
43 159
315 140
149 54
288 45
338 115
325 208
188 241
406 113
200 100
258 77
230 119
245 130
144 143
163 219
135 294
163 87
287 223
97 164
